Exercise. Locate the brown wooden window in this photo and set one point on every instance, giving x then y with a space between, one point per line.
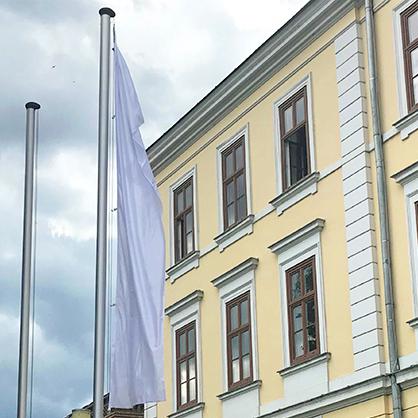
234 184
294 139
239 352
302 311
183 220
409 23
186 366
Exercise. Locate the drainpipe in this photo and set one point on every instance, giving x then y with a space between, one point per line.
383 211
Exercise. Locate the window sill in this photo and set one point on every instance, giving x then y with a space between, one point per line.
183 266
413 323
306 187
187 411
240 390
322 358
407 124
245 227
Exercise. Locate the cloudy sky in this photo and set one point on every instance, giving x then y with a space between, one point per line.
177 52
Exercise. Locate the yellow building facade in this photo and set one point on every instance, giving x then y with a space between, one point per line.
275 289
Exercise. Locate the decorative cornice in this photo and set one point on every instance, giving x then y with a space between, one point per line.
407 174
413 323
300 235
248 265
296 35
188 300
238 391
185 412
323 358
183 266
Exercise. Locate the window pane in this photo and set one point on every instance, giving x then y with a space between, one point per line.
183 371
244 312
235 347
239 157
183 393
310 311
234 317
296 291
297 154
311 338
189 196
189 242
414 62
235 371
189 222
300 110
246 366
241 208
241 185
413 26
298 341
297 318
229 164
308 277
192 368
288 119
192 390
245 343
231 214
230 195
190 340
180 202
179 239
182 343
416 89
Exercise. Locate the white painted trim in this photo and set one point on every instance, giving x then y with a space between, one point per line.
184 266
194 411
232 284
239 391
192 173
323 358
182 313
240 230
407 125
292 250
400 65
244 131
408 178
305 82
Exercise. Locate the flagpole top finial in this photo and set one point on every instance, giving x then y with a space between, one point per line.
107 11
32 105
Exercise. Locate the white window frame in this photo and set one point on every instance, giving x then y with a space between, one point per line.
400 64
292 250
305 82
191 261
231 285
182 313
219 150
408 178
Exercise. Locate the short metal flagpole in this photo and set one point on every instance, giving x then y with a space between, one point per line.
25 300
101 244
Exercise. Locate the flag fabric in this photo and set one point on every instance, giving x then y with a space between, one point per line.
136 371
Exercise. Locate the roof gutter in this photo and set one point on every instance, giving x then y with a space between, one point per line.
383 211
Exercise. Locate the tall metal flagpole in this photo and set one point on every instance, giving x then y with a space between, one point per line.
101 244
25 301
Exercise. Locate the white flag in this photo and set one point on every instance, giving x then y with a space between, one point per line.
136 374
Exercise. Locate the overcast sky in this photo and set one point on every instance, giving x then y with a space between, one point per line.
177 50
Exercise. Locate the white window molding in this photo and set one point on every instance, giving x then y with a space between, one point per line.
240 230
407 125
180 314
219 150
293 195
195 411
292 250
408 178
400 65
192 260
306 82
230 285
